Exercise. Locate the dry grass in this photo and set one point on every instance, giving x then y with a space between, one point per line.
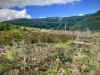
47 57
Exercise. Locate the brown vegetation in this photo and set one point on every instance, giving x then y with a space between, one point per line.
49 53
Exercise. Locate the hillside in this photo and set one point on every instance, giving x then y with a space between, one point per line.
48 52
92 22
56 23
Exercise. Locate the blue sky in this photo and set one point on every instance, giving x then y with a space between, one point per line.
12 9
65 10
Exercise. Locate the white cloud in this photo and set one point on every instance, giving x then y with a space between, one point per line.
41 17
81 15
8 14
23 3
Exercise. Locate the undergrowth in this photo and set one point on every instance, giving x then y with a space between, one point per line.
32 52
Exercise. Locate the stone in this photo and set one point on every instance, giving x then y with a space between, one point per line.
2 49
79 44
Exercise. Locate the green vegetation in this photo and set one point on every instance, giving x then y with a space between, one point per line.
92 22
31 51
34 51
56 23
49 38
10 34
16 34
5 26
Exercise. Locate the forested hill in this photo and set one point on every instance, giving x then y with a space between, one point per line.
92 22
50 22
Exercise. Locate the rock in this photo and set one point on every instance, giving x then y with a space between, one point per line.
80 44
2 49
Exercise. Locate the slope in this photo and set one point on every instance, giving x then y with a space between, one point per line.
57 23
92 22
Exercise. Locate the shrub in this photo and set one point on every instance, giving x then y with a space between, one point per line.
24 29
34 41
11 36
5 26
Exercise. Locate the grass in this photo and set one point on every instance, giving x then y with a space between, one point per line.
46 52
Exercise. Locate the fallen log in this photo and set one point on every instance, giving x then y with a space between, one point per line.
80 44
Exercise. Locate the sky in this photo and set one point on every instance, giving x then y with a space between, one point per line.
12 9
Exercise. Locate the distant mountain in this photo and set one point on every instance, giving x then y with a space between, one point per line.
50 22
97 13
92 22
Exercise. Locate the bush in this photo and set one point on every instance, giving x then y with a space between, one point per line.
11 36
34 41
24 29
5 26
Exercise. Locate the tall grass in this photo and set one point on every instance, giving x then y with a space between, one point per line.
46 53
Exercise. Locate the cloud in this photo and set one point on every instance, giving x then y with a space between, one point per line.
42 17
23 3
8 14
81 15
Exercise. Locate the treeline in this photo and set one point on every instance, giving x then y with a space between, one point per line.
56 23
92 22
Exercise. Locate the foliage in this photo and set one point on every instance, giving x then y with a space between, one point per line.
5 26
34 41
11 36
92 22
49 23
35 52
24 29
48 38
